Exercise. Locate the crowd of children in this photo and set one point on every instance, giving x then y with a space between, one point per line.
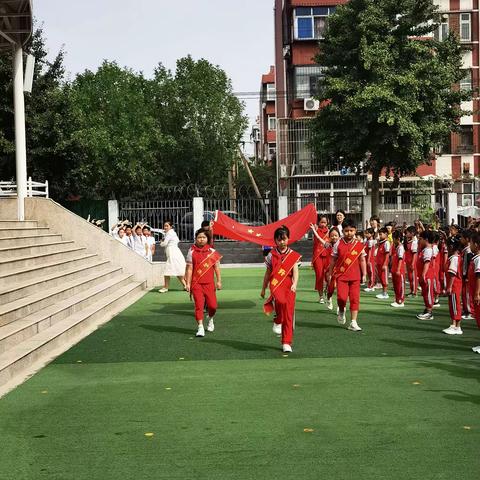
438 262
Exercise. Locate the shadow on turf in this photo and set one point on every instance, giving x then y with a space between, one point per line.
235 344
301 323
222 305
425 346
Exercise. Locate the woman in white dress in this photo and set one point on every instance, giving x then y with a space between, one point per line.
175 265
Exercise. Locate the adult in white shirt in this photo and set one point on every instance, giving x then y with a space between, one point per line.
338 221
176 264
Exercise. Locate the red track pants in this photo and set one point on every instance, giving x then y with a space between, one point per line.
455 305
412 278
398 280
382 274
320 266
348 290
427 292
285 310
204 293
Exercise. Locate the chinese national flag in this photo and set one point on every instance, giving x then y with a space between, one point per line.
298 223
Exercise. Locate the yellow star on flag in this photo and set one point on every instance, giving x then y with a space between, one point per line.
250 230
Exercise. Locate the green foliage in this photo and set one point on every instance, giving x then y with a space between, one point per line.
388 86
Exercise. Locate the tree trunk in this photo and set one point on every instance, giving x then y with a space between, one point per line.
375 190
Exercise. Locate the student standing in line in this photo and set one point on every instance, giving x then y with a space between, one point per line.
467 255
370 244
202 268
282 277
426 273
398 269
381 261
411 251
474 275
348 268
320 259
454 285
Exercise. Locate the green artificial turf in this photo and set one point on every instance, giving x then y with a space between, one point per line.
401 400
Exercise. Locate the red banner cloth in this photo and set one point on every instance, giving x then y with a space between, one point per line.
298 223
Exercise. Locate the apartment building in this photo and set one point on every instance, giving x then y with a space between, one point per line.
299 28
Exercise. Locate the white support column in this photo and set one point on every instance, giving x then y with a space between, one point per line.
282 207
113 212
367 209
198 210
452 208
20 142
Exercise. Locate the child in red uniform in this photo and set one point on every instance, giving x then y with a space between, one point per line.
467 255
202 265
381 261
426 273
436 268
398 269
348 268
282 275
411 249
320 259
370 258
454 285
474 275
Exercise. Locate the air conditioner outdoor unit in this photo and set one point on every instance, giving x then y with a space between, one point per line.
283 171
310 104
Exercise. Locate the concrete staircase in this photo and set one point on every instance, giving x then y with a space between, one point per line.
52 294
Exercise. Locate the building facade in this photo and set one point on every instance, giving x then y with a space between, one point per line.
299 29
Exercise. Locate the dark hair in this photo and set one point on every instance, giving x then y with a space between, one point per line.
466 234
411 229
454 244
376 218
205 232
397 235
146 227
334 229
205 223
360 233
169 221
320 216
343 213
389 224
281 232
383 230
427 235
349 223
475 238
436 236
370 230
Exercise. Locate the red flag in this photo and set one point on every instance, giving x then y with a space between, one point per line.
298 223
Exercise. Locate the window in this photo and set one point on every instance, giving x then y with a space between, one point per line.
271 92
441 33
310 23
272 122
466 136
272 151
466 81
465 30
468 188
306 80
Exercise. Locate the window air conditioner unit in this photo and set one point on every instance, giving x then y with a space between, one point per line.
283 171
311 105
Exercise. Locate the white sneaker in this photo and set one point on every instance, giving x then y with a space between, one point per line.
368 289
453 330
329 304
436 305
476 349
211 325
397 305
341 318
277 328
163 290
287 348
467 317
425 316
321 300
200 331
382 296
354 327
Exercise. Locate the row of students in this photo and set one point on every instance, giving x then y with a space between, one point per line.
138 238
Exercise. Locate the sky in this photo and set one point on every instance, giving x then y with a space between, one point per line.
236 35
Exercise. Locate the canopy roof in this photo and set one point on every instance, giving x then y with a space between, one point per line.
15 23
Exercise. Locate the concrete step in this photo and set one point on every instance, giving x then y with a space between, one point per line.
24 274
24 328
22 262
22 232
40 286
27 357
18 224
13 241
14 251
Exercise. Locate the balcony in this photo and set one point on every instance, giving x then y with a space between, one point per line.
463 150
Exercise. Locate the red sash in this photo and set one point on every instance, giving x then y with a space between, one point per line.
206 264
278 276
320 249
352 256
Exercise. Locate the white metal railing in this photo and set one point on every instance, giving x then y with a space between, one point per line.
34 189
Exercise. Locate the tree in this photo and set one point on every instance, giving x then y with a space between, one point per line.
197 108
387 96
